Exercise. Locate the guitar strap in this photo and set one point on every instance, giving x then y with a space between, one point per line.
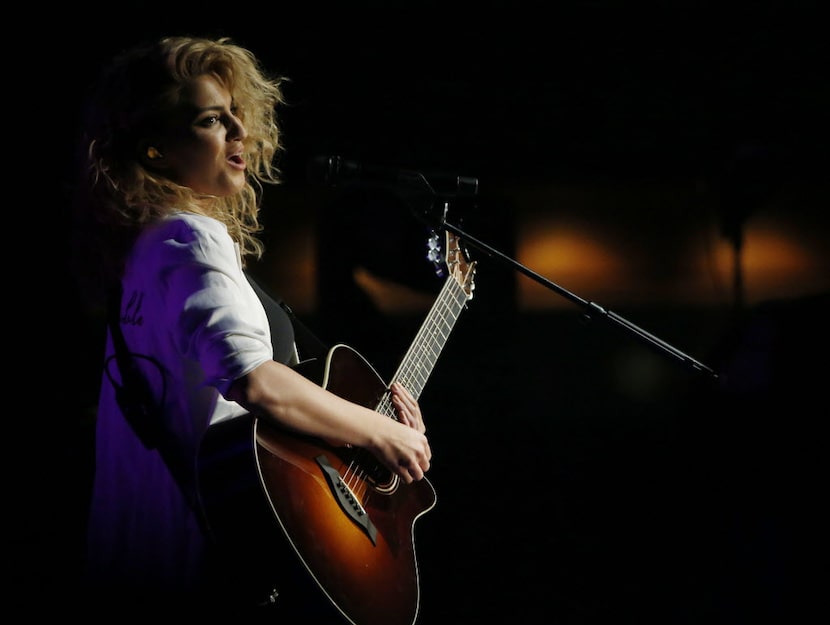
306 342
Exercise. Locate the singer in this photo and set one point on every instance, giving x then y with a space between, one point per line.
178 139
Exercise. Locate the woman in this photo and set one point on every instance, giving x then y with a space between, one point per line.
179 138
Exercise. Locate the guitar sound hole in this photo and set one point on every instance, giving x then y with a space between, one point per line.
373 472
379 476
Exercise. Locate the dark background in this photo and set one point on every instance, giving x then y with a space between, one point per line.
581 477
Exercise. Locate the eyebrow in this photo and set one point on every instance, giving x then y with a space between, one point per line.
192 112
205 109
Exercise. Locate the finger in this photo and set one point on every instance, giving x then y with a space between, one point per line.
405 412
407 402
410 470
416 473
399 390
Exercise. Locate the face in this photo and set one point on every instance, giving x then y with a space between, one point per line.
204 147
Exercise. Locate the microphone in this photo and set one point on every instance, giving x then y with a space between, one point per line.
335 171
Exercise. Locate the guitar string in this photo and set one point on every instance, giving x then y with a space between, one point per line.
412 373
356 471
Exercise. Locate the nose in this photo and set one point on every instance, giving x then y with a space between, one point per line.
236 129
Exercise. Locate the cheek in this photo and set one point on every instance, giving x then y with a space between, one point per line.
189 167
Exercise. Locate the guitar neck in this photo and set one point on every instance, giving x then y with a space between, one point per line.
420 359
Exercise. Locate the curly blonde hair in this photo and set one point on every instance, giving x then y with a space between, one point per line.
118 195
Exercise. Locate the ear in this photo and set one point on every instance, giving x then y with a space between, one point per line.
150 155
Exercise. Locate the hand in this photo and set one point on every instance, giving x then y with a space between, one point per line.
407 408
405 450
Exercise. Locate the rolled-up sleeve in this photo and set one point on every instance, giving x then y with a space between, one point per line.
213 315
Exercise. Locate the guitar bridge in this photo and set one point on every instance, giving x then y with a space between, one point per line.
347 500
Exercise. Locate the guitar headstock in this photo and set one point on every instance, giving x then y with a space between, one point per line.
453 259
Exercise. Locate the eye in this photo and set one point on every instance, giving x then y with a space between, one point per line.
209 120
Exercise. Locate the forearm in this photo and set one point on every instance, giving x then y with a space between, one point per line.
277 392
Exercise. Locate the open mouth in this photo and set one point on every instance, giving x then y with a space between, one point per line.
237 161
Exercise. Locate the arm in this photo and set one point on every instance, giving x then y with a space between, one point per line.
278 392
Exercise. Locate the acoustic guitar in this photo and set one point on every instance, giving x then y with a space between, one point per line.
284 503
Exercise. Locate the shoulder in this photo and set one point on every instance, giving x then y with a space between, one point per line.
186 226
187 237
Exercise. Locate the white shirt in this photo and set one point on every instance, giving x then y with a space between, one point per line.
187 302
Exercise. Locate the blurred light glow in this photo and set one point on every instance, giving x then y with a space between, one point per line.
774 263
391 297
571 256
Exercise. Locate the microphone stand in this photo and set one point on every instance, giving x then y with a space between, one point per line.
591 310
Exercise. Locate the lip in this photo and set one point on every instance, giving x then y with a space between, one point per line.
236 161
